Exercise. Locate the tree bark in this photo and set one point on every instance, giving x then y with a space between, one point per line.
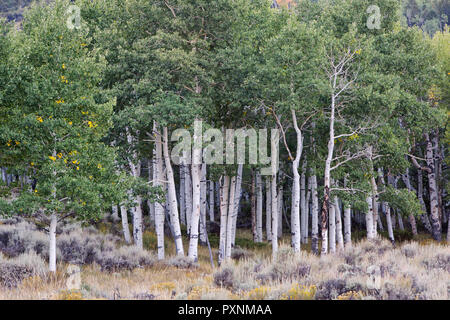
115 213
125 227
211 201
268 210
224 189
424 216
230 217
182 195
432 186
314 216
303 205
159 182
253 206
347 226
203 201
280 212
332 228
173 203
237 199
369 219
259 208
195 217
52 246
339 236
274 207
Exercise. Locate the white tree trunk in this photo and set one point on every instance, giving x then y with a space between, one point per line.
374 205
115 213
211 201
125 227
52 246
230 217
259 207
389 221
314 216
159 207
237 199
182 196
400 222
432 186
369 219
303 206
195 217
280 211
172 197
297 194
339 235
268 210
223 191
151 177
274 216
347 226
332 228
137 224
203 201
188 196
307 212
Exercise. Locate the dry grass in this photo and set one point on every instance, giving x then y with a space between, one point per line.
368 270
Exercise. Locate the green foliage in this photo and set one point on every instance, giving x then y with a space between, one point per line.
402 200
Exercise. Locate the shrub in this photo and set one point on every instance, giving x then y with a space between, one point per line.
182 262
124 258
237 253
14 271
298 292
224 278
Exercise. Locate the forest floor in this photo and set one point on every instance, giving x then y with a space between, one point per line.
418 269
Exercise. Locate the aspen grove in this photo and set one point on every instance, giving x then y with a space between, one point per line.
183 125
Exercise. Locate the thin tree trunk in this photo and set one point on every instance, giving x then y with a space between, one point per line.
203 201
347 226
400 222
424 216
339 236
52 246
303 205
230 217
314 216
307 212
332 228
151 177
432 186
237 200
182 195
211 201
115 213
224 188
173 204
274 216
188 194
253 206
374 205
369 219
268 210
125 227
159 182
196 180
259 207
280 212
296 228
